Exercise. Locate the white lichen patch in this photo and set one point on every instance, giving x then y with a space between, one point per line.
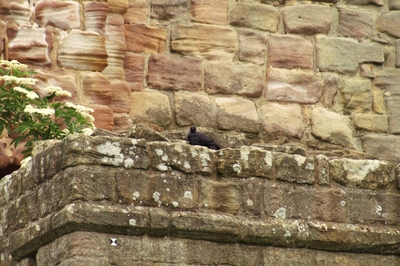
250 202
135 195
37 227
178 148
134 141
280 213
156 196
300 159
162 167
109 148
188 195
159 152
357 170
318 226
237 168
268 158
287 234
244 153
128 163
343 203
378 210
132 222
165 158
186 165
175 204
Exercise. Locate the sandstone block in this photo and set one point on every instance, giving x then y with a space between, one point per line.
120 96
356 23
182 157
398 53
95 16
103 116
307 19
370 122
257 16
378 101
252 46
289 51
145 39
16 11
169 9
209 42
331 85
282 119
252 195
151 107
394 5
237 114
365 2
341 133
61 14
221 196
174 73
138 12
389 23
229 78
382 147
118 6
357 96
209 11
96 88
134 70
295 85
343 55
115 40
389 80
122 122
194 109
90 55
294 168
370 174
393 108
245 162
29 45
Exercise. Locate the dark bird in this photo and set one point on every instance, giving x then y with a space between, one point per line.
198 138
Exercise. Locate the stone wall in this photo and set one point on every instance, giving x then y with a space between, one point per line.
321 73
124 201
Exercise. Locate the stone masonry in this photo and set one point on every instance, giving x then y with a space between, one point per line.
125 201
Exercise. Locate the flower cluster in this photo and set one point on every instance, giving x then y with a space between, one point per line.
28 117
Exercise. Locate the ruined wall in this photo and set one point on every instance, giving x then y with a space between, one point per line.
124 201
321 73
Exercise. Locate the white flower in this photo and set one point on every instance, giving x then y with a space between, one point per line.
58 91
45 111
13 64
87 131
79 108
16 80
30 94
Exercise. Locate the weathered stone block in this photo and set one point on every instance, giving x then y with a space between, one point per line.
341 134
221 196
29 45
103 116
252 195
61 14
228 78
134 186
278 119
252 46
120 96
118 6
122 122
96 88
169 9
289 51
194 109
356 23
134 70
209 42
393 108
173 73
95 16
152 107
370 122
182 157
369 174
145 39
307 19
343 55
394 5
398 53
321 170
237 114
382 147
365 2
389 22
209 11
295 85
257 16
90 55
138 12
331 85
245 162
378 101
357 96
294 168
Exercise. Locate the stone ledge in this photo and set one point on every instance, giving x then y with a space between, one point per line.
313 234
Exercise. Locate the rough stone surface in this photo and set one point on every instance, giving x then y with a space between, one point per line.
356 23
389 23
257 16
289 51
209 11
91 54
152 107
169 9
194 109
341 134
145 39
295 85
371 122
237 114
307 19
357 95
61 14
169 73
96 88
96 16
381 146
284 119
206 41
343 55
134 66
252 46
138 12
223 78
